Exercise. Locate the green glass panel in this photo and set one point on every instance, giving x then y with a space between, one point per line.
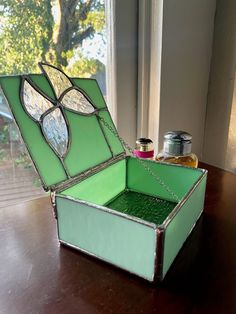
102 186
149 208
114 141
42 83
47 163
178 179
88 144
91 87
179 227
120 241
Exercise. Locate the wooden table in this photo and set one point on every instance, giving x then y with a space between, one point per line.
39 276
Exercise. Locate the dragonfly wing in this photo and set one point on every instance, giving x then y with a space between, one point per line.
34 102
56 132
59 81
76 101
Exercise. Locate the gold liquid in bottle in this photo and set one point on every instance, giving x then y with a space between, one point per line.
177 149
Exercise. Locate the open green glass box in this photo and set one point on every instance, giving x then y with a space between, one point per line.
108 205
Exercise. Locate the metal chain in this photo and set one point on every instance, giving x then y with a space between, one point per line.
141 161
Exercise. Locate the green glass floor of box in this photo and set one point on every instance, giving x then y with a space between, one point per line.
148 208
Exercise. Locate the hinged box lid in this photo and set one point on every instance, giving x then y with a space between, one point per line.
60 122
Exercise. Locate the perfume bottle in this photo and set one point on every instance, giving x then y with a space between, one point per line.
177 149
144 148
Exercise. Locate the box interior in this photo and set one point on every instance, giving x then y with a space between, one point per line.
127 187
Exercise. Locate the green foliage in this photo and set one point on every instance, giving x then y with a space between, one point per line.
26 30
4 134
23 160
96 20
84 67
2 154
8 134
52 31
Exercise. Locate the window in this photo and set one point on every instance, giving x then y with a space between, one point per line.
69 34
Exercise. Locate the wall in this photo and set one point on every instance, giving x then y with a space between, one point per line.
220 132
149 68
186 54
230 160
126 54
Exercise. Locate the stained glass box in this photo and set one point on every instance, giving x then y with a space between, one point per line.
134 215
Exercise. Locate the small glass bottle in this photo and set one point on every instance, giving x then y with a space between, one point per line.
177 149
144 148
